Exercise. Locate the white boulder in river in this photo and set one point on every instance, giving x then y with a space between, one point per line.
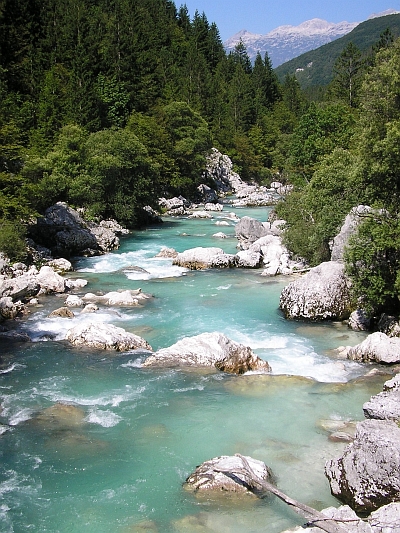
105 337
367 475
209 349
209 476
322 293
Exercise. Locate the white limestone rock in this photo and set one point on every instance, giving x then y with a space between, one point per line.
208 350
208 478
322 293
105 337
377 348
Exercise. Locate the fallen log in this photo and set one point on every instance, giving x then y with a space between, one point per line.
259 486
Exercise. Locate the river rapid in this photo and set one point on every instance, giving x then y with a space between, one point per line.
118 464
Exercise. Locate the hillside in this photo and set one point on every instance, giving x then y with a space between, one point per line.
315 67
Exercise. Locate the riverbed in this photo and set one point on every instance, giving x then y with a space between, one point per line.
117 461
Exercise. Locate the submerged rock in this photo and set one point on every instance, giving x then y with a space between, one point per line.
367 475
209 350
208 477
322 293
105 337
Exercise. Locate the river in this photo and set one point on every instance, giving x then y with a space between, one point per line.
118 464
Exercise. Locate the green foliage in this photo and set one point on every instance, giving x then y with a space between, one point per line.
373 262
320 130
315 213
12 240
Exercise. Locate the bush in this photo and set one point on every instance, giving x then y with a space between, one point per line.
12 240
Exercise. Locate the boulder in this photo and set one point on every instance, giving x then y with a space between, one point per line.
10 309
200 214
74 301
367 475
60 265
248 230
392 384
386 519
168 253
248 259
322 293
377 348
66 233
383 406
62 312
207 195
389 325
105 337
359 321
348 229
213 207
220 235
208 476
123 298
209 350
50 281
201 258
21 287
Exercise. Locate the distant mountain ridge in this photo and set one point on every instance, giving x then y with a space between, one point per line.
287 42
315 67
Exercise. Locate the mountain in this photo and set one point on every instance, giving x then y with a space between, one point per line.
315 67
287 42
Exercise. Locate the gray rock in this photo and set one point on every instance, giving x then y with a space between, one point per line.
50 281
207 195
389 325
248 259
201 258
62 312
386 519
208 478
9 309
248 230
392 384
367 475
208 350
66 233
322 293
344 515
105 337
359 321
383 406
378 348
21 287
348 229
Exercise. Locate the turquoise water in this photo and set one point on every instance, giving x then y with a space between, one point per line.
117 459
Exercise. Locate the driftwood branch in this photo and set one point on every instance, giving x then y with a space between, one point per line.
258 485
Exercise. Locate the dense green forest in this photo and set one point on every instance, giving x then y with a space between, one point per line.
109 104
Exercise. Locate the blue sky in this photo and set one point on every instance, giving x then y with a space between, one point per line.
262 16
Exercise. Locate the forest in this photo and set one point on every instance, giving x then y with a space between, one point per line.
109 104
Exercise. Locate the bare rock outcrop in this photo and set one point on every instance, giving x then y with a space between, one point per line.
209 350
367 475
322 293
350 225
66 233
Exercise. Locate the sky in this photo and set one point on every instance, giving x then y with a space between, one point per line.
262 16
